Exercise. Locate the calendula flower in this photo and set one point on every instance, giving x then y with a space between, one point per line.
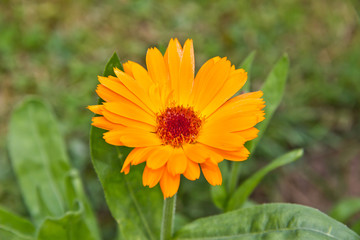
178 122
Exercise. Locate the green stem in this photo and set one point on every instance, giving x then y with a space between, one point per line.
235 169
168 218
234 176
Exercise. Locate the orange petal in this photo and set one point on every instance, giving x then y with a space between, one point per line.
144 155
156 95
126 170
141 75
128 68
114 84
178 47
211 173
131 137
130 110
106 94
103 123
187 71
202 73
151 177
192 171
238 105
223 140
156 66
169 184
172 60
198 153
239 155
233 122
160 157
97 109
257 94
177 162
235 81
136 156
210 83
113 139
249 134
112 117
136 88
129 159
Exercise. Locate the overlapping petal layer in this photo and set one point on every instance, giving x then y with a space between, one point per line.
137 98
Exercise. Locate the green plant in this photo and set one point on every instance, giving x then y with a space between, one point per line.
59 209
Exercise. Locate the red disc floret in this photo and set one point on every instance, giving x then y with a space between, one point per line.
178 125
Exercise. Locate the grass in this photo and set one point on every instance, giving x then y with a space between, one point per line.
55 49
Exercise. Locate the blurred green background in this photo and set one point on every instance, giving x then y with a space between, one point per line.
56 49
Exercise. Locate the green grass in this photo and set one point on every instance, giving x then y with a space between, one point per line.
56 49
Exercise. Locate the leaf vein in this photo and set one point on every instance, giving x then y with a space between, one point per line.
137 207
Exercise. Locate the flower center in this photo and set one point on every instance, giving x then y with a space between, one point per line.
178 125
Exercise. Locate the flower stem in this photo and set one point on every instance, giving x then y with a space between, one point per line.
168 218
234 176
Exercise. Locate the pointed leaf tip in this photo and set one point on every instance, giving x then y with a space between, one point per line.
113 62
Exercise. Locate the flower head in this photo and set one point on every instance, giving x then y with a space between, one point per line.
178 122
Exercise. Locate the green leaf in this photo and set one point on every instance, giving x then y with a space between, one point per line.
39 158
137 209
41 164
273 89
345 209
70 226
112 63
268 221
246 65
15 227
244 190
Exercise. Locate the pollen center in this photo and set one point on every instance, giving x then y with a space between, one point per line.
178 125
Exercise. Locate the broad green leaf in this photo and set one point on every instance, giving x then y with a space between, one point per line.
137 209
246 65
246 188
38 157
273 89
345 209
269 221
15 227
70 226
179 221
41 164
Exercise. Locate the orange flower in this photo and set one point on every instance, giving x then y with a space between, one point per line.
178 123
